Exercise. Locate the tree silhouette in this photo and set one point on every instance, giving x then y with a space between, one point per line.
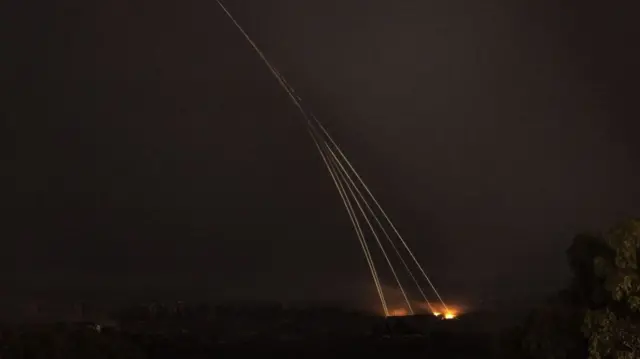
595 315
613 329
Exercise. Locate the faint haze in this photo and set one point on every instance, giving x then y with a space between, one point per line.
153 151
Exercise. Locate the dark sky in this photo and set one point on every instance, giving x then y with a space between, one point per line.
152 152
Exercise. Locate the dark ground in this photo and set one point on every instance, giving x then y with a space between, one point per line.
473 337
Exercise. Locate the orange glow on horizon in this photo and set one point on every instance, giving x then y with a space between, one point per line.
400 312
442 312
437 310
449 315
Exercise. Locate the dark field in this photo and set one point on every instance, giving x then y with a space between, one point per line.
299 334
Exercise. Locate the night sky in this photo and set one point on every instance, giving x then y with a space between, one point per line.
152 153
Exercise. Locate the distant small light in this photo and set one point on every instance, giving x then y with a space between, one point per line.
437 314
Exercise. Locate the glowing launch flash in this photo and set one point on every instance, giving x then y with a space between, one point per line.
449 316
